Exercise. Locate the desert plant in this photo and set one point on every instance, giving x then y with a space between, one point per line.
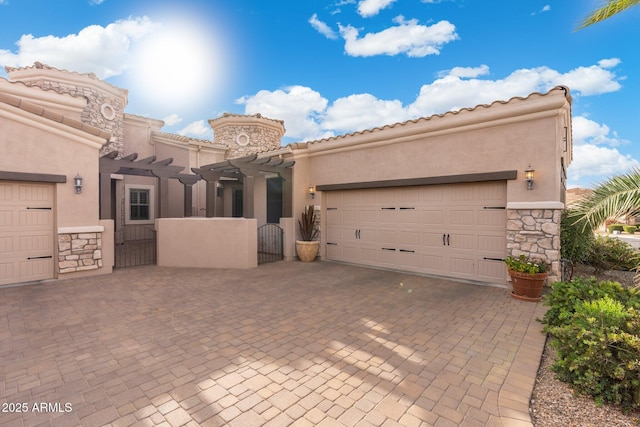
307 223
615 227
563 297
575 240
598 351
608 253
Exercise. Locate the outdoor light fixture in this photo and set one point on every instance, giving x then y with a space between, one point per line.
312 191
77 183
528 176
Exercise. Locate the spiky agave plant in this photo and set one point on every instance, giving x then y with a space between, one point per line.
307 223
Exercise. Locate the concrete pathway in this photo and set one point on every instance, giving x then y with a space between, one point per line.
287 343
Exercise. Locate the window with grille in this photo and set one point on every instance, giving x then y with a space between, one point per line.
139 204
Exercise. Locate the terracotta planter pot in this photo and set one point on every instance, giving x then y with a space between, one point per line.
307 251
527 287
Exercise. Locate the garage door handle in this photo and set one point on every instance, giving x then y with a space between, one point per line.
407 250
444 239
493 259
40 257
388 249
388 209
331 243
39 209
448 242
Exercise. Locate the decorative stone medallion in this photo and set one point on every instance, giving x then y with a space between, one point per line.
242 139
107 111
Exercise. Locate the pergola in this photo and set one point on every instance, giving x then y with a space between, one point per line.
242 170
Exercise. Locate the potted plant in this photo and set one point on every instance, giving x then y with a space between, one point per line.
527 276
307 248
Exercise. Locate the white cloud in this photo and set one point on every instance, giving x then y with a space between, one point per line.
407 37
300 107
594 160
101 50
468 72
172 120
546 8
361 112
199 128
322 27
367 8
308 115
594 152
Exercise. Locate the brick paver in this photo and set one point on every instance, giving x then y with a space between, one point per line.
287 343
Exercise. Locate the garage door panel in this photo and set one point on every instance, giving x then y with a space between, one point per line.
462 266
6 218
491 244
26 232
462 241
462 217
34 269
496 218
433 217
491 270
413 223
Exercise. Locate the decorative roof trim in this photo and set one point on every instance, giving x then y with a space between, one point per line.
435 119
243 119
38 110
39 70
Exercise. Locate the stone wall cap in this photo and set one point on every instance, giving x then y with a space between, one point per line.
81 229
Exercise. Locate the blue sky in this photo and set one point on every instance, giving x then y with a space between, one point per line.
329 67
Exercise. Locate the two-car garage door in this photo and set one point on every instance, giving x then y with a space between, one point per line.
452 230
26 231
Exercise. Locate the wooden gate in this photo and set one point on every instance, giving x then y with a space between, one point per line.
135 245
270 246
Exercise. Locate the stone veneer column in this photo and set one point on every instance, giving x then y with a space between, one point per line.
79 251
535 233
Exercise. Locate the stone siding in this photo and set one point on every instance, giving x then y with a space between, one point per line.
260 138
98 103
535 233
79 252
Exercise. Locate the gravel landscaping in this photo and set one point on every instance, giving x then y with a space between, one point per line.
553 402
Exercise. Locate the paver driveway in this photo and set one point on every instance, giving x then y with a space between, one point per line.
287 343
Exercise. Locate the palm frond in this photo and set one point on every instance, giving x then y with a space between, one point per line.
609 9
618 196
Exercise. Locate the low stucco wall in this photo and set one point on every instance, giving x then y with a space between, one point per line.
207 242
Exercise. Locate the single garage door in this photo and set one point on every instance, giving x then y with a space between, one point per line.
452 230
26 232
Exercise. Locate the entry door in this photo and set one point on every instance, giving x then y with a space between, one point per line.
456 230
26 232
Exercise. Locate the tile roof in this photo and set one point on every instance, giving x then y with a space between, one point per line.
432 117
52 115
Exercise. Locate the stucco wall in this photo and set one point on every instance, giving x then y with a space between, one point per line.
207 242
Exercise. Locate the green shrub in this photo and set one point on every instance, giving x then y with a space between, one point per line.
575 240
598 351
563 297
615 227
630 229
608 253
595 326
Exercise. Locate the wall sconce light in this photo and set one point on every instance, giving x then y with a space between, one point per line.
77 183
529 177
312 191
